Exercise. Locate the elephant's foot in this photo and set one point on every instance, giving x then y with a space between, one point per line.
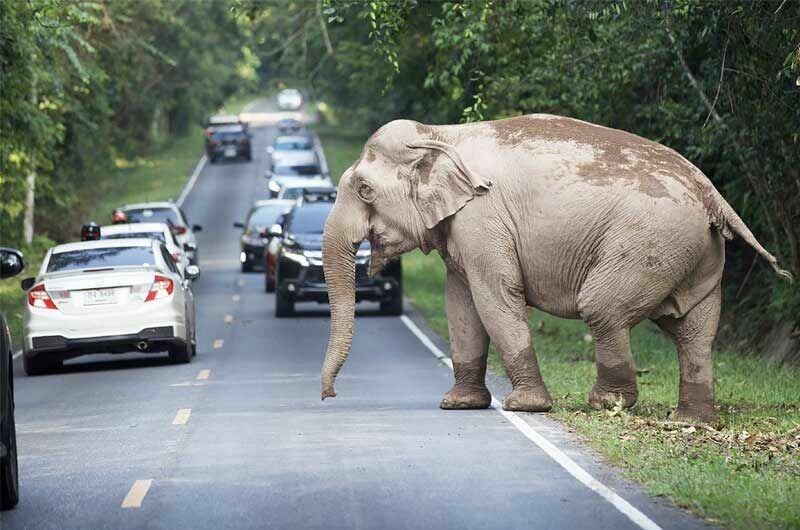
535 399
460 397
696 403
601 397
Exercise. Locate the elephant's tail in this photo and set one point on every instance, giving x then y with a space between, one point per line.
728 222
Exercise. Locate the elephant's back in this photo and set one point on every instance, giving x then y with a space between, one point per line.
567 151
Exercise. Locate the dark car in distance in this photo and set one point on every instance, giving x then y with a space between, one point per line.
230 141
299 275
255 236
11 264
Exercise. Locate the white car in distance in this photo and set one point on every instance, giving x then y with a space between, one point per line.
107 296
290 99
158 231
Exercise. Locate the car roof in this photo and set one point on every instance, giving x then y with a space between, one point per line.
223 119
298 182
273 202
228 128
297 157
293 137
103 243
149 205
128 228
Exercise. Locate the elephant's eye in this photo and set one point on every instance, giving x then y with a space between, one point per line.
366 191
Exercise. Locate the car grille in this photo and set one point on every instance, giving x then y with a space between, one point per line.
361 275
316 275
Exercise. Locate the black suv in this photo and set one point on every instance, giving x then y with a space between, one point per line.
11 264
299 276
228 141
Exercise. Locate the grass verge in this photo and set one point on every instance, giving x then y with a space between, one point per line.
743 472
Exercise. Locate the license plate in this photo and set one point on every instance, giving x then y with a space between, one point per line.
99 296
230 151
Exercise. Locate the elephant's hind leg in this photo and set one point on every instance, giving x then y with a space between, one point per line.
470 345
693 335
616 370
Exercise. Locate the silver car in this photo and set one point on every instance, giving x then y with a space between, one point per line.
107 296
169 213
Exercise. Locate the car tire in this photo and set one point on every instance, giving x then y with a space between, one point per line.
249 156
34 366
394 306
269 285
284 306
180 353
9 468
246 267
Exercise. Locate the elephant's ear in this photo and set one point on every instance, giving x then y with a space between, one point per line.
442 183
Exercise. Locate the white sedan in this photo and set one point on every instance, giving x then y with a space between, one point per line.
110 296
158 231
290 99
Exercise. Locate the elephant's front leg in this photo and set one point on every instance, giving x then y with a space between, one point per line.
499 300
469 344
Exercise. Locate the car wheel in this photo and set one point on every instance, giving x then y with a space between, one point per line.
38 366
9 470
248 156
284 306
247 267
180 353
269 284
393 306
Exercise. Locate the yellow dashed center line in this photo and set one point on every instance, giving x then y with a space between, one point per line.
136 495
203 374
182 416
228 319
241 283
236 299
218 344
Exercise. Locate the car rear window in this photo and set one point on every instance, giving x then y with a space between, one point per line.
152 235
295 144
153 215
302 170
265 215
309 220
95 258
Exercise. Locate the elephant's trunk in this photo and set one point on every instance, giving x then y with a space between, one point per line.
338 256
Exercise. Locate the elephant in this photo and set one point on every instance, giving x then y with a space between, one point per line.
575 219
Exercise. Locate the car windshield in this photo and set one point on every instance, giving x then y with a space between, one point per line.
309 220
302 170
95 258
133 235
293 144
292 193
265 215
153 215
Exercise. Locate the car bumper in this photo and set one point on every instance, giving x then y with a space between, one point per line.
252 256
377 290
222 151
149 339
96 329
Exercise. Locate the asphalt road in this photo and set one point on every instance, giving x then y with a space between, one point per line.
258 449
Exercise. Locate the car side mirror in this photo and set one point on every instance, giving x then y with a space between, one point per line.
189 247
238 224
11 263
197 228
191 272
27 283
275 230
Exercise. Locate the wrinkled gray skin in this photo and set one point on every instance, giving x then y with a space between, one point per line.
577 220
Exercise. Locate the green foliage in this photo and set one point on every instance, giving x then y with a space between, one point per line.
86 82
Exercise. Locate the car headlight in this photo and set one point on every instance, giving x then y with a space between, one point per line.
295 255
274 186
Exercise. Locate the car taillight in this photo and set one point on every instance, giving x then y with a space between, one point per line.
162 287
179 230
176 257
38 297
207 132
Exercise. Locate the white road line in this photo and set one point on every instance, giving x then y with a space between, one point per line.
545 445
182 416
203 374
228 319
192 179
236 299
136 495
218 344
17 355
240 283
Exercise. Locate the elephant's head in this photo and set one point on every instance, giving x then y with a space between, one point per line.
408 179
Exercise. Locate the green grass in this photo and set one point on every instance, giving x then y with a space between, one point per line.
743 472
